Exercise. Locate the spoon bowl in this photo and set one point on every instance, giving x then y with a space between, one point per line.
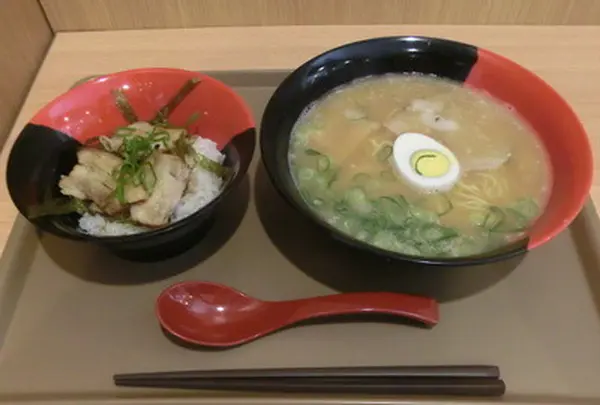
216 315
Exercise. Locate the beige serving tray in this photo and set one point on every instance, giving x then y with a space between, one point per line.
72 315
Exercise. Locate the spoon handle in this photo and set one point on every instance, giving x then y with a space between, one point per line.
421 309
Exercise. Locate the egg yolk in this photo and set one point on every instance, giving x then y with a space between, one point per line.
430 163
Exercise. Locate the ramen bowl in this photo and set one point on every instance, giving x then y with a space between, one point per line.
542 108
45 150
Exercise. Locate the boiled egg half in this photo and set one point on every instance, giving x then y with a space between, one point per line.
425 163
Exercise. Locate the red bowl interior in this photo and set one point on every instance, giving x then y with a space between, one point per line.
89 109
559 129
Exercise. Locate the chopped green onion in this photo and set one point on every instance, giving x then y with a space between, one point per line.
384 153
526 207
211 165
305 174
358 201
136 168
437 233
311 199
392 209
494 218
371 226
341 207
401 200
423 215
312 152
333 177
323 163
514 222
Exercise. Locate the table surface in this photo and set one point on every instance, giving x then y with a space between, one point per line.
566 57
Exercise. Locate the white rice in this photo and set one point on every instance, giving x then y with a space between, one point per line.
203 187
98 225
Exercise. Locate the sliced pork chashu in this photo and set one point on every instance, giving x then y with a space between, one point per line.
168 135
92 178
171 180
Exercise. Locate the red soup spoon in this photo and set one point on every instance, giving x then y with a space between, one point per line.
210 314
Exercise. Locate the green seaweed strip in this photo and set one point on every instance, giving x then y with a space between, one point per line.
124 106
163 114
211 165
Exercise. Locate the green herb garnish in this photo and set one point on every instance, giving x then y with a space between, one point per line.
210 165
182 148
136 169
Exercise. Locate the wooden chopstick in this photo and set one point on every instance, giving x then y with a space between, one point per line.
413 380
472 371
457 386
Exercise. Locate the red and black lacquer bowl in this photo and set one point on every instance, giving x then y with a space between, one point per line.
551 117
45 149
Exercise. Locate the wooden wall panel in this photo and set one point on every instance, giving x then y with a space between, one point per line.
24 38
73 15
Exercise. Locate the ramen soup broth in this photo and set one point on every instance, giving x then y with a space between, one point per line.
340 153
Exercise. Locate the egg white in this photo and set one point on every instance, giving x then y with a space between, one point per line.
406 145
